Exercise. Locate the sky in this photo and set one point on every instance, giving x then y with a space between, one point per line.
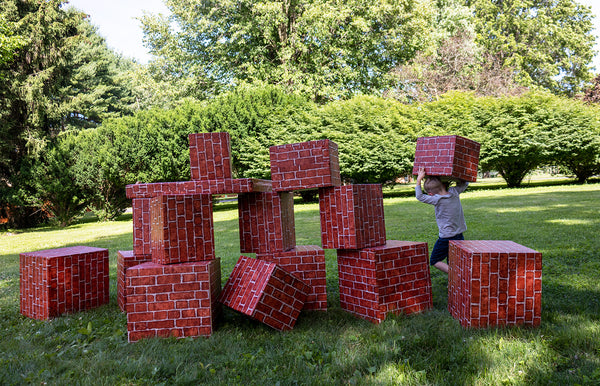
117 23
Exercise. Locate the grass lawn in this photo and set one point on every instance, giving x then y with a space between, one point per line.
333 347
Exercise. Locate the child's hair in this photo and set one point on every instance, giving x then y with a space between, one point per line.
435 185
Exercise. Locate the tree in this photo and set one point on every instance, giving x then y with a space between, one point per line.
573 136
549 43
512 140
60 76
325 49
376 137
55 183
592 94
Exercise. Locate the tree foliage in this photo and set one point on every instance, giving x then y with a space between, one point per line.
325 49
58 75
54 181
548 42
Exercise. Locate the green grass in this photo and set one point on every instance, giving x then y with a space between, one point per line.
334 347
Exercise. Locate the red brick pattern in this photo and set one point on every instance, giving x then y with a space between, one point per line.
307 263
140 211
173 300
392 278
265 292
305 165
63 280
210 156
450 156
494 283
182 228
226 186
352 216
126 260
266 222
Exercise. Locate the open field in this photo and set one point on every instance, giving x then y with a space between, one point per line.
333 347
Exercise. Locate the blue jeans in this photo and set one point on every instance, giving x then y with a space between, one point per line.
440 249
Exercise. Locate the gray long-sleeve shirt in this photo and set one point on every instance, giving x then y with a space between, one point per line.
448 210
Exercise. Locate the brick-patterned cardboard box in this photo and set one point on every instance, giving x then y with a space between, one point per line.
126 260
448 156
142 193
494 283
140 208
305 165
307 263
265 292
266 222
182 228
210 156
63 280
224 186
352 216
392 278
178 300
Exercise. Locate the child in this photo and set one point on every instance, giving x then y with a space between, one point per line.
448 214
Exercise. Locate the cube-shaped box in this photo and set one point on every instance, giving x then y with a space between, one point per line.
393 278
307 263
352 216
210 156
494 283
305 165
266 222
448 156
63 280
265 292
182 228
126 260
177 300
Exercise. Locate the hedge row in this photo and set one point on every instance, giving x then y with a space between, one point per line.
376 139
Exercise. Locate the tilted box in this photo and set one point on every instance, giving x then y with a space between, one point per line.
393 278
63 280
494 283
307 263
447 156
265 292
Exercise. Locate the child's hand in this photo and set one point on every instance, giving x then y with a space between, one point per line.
421 174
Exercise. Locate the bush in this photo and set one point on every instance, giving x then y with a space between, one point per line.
376 137
54 180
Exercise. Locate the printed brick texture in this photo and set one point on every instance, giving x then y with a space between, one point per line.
142 193
140 208
230 186
63 280
449 156
266 222
494 283
210 156
126 260
307 263
265 292
173 300
182 228
305 165
352 216
393 278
